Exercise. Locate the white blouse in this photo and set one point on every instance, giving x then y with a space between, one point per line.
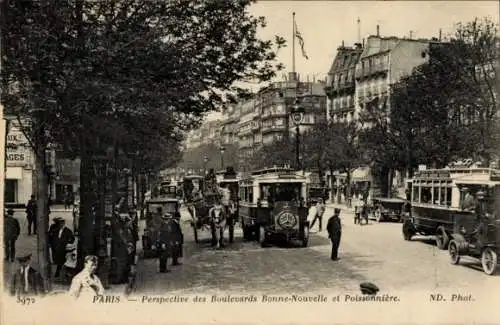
86 284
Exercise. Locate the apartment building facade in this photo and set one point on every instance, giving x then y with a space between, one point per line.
341 83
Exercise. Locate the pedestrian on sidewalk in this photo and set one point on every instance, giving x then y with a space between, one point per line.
334 228
87 284
68 198
320 210
11 233
64 237
31 215
26 281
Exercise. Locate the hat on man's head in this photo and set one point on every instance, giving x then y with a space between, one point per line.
24 258
10 212
368 288
336 210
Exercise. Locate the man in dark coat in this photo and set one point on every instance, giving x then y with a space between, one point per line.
11 233
164 243
123 247
26 281
63 237
52 236
31 214
334 228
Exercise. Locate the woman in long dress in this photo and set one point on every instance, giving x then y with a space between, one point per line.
86 283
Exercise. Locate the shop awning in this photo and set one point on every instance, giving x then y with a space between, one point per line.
14 173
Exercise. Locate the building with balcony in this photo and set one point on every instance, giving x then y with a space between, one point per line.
383 62
341 85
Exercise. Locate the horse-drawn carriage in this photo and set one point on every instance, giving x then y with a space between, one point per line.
203 201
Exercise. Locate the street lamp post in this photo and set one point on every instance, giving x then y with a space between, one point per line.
205 161
297 116
222 150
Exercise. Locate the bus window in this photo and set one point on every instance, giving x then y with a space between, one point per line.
425 194
250 194
442 197
448 196
436 194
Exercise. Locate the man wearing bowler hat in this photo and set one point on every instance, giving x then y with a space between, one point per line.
11 233
26 281
334 228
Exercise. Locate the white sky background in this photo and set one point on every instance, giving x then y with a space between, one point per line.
324 24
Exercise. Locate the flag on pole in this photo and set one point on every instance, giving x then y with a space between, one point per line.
301 41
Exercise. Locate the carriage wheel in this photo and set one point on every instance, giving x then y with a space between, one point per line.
489 260
454 252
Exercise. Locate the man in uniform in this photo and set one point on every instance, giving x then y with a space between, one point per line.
334 228
164 247
178 237
11 233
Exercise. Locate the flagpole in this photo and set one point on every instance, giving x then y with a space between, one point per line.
293 43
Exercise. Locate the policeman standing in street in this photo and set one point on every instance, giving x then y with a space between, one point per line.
164 248
334 228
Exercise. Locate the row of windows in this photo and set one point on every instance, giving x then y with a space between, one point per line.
436 193
343 102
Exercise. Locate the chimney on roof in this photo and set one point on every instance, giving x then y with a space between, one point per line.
411 34
440 32
363 44
378 30
342 43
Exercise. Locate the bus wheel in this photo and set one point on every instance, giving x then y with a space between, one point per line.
454 252
408 232
489 260
442 238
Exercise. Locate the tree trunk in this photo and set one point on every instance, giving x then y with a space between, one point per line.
85 243
389 182
42 215
332 185
348 187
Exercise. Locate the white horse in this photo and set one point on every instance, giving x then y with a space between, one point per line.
218 221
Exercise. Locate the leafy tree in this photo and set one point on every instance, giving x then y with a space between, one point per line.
193 159
279 153
132 74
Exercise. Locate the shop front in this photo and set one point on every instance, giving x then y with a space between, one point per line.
19 171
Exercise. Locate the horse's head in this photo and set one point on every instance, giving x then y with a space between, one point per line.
218 215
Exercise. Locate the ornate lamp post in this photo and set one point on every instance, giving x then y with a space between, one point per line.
297 114
222 150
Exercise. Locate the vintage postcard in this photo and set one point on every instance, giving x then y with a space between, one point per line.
250 162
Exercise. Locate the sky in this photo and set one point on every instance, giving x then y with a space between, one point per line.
325 24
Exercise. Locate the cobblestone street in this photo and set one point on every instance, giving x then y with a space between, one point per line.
375 253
